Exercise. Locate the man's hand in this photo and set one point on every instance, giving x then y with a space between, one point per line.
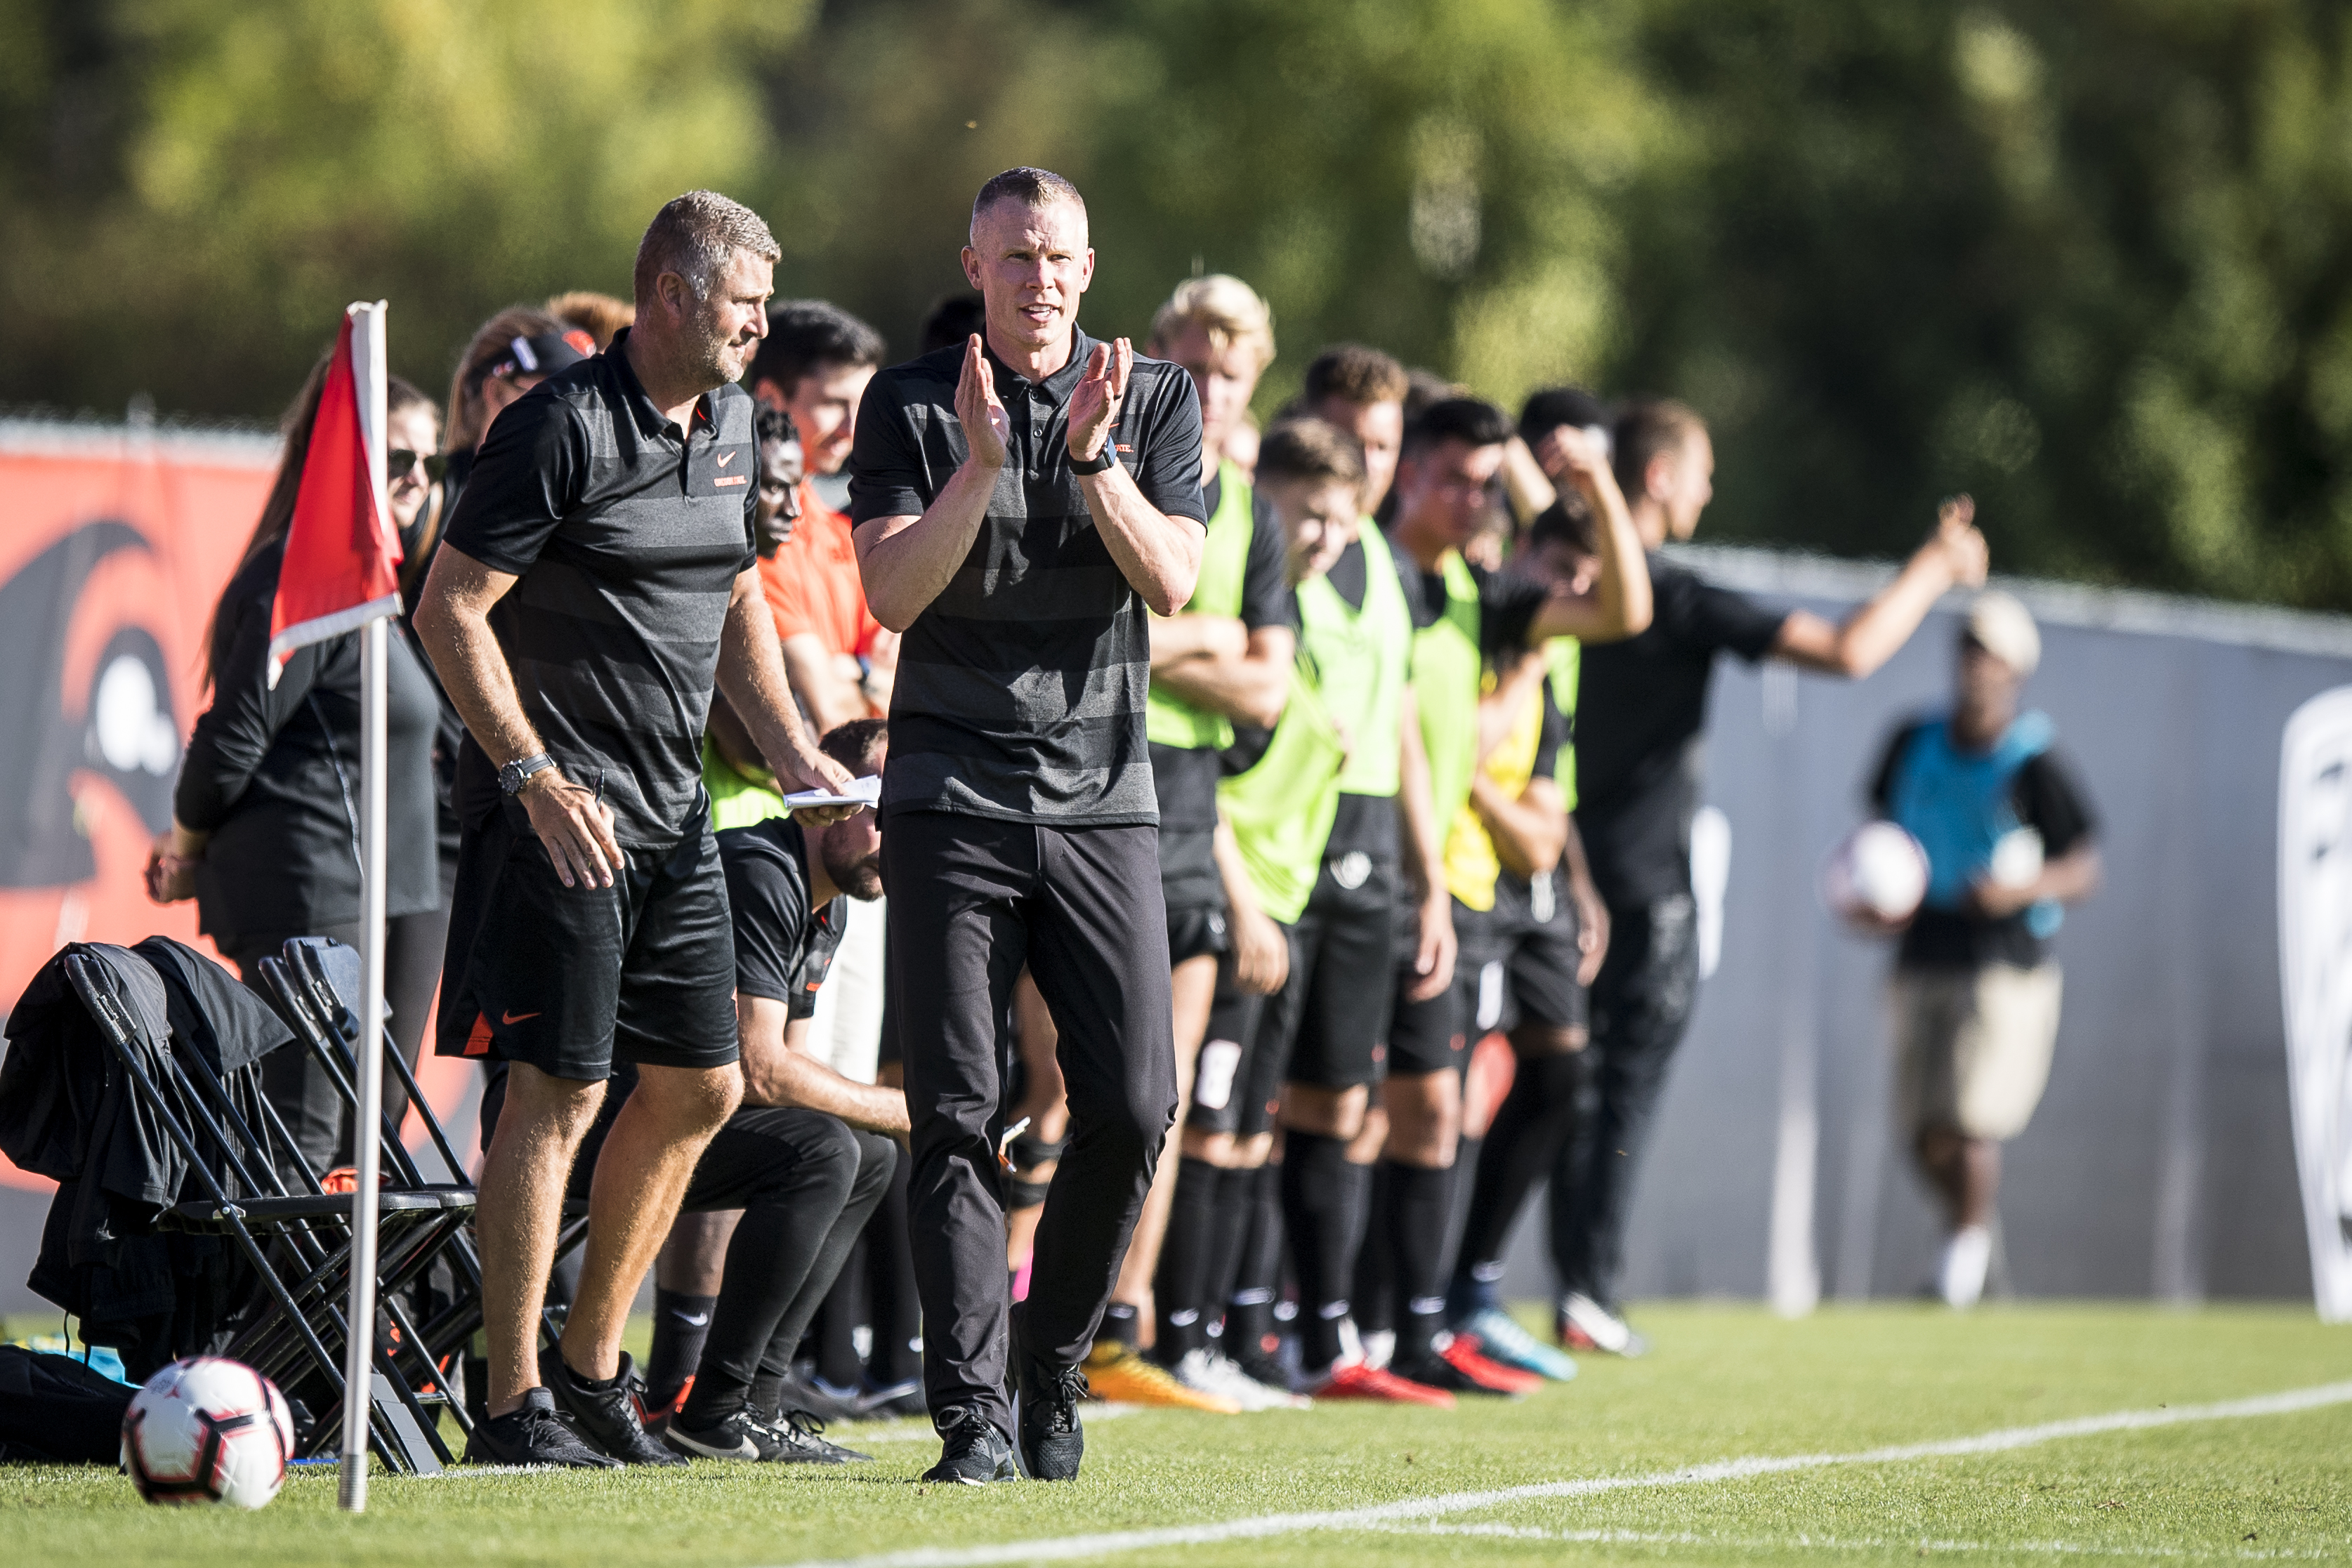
1094 402
1261 952
1998 901
986 425
1591 929
829 775
1433 955
1956 538
575 826
172 867
1571 456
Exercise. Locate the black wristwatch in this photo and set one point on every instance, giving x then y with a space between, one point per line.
1106 459
516 774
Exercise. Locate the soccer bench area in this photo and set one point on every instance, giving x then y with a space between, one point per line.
2017 1434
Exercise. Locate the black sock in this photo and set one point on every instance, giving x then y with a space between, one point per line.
1422 1207
681 1322
837 1322
1180 1287
1121 1324
1376 1256
1229 1227
1257 1274
898 1355
1520 1150
1323 1207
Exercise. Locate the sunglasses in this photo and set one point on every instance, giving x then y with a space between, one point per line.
400 463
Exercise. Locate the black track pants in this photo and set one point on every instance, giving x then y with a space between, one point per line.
972 901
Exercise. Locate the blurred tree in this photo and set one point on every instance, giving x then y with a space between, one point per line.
194 187
2090 262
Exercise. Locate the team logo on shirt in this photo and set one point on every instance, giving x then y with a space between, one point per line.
1350 869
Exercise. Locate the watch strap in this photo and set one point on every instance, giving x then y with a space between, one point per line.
516 774
1107 458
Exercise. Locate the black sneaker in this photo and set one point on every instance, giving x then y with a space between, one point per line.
1045 1415
532 1434
975 1452
1266 1370
607 1417
803 1431
1439 1373
802 1391
896 1400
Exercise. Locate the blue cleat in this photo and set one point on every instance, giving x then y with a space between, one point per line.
1500 1338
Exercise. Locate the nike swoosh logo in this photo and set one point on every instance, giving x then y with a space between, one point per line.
725 458
695 1321
515 1018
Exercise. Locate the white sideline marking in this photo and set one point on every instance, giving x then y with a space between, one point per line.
1057 1549
1856 1543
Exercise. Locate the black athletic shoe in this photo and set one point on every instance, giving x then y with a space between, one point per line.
975 1452
1439 1373
896 1400
607 1417
803 1430
802 1391
532 1434
1045 1415
1264 1369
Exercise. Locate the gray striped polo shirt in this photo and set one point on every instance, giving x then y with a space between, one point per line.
627 534
1020 690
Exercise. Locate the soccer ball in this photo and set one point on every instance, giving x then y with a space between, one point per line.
1878 873
208 1430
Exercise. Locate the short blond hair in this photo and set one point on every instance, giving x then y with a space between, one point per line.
1229 310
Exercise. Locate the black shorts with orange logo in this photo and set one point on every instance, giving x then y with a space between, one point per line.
571 980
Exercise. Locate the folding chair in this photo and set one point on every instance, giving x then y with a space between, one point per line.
311 983
316 982
298 1245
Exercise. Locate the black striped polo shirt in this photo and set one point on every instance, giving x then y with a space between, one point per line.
1021 688
626 535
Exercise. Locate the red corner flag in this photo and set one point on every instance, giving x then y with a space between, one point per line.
342 553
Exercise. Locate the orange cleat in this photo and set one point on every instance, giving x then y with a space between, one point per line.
1126 1376
1463 1355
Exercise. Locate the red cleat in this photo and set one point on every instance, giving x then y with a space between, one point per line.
1358 1381
1463 1355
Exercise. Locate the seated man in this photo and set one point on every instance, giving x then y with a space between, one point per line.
806 1157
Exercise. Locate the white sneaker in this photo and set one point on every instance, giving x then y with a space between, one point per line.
1585 1325
1212 1372
1960 1274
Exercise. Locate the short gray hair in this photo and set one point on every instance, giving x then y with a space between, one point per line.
695 237
1033 188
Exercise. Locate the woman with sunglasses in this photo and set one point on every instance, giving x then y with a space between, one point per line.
265 820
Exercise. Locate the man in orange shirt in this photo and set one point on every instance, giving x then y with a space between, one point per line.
815 366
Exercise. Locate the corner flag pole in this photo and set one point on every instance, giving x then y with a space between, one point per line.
359 1357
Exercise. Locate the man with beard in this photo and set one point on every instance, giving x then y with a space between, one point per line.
595 582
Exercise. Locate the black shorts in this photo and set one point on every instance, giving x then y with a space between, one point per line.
1329 1022
572 979
1535 924
1237 1087
1195 894
1433 1035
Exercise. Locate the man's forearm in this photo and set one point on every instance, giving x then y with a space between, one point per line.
793 1080
751 678
830 700
1252 688
907 562
473 671
1526 830
1158 555
1424 860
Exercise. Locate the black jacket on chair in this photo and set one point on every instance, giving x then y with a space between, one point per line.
69 1111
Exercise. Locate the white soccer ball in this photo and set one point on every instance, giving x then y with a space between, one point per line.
1878 873
208 1430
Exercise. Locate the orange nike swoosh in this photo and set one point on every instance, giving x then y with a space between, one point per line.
515 1018
725 458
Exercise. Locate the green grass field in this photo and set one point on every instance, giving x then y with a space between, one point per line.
1723 1382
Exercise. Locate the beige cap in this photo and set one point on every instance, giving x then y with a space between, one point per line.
2005 629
